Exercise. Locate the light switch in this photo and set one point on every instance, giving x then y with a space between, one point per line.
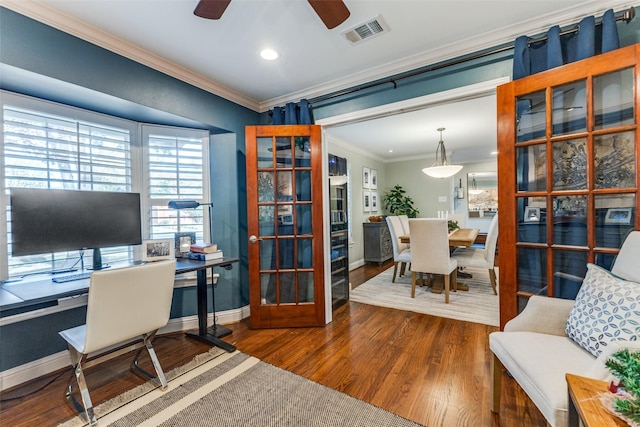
442 199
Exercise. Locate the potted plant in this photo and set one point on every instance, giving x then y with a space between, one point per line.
625 366
396 202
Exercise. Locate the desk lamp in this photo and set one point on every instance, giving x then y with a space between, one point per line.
217 330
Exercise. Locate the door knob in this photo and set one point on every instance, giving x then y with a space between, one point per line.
253 239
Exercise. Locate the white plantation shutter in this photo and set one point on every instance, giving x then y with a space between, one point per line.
176 160
49 145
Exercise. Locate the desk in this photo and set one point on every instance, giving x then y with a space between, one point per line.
586 407
460 237
34 292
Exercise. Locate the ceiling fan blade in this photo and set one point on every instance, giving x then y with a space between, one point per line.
211 9
331 12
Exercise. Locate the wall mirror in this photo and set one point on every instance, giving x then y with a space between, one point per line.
482 190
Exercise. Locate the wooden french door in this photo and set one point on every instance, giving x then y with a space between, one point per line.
285 226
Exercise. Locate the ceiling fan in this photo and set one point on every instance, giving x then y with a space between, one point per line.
331 12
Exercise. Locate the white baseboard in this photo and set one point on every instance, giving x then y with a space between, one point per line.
29 371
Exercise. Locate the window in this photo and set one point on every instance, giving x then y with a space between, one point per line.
175 170
48 145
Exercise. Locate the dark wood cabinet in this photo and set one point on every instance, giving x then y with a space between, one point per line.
377 242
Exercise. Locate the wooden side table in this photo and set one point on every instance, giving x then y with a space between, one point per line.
585 406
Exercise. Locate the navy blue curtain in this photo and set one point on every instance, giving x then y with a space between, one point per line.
292 114
530 57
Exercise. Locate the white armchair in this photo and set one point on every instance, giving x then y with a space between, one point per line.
535 349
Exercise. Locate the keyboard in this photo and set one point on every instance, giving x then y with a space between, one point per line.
71 277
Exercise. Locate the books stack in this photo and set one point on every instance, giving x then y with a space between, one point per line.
204 251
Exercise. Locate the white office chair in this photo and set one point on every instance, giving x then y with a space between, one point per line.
123 304
401 251
430 252
481 257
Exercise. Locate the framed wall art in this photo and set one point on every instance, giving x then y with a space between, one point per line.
373 179
366 178
366 201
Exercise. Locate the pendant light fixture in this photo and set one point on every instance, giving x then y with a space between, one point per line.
474 186
441 168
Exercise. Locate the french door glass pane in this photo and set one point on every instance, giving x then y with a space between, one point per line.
532 271
532 167
570 223
613 99
570 108
615 160
531 116
615 217
570 164
569 268
532 225
305 286
265 153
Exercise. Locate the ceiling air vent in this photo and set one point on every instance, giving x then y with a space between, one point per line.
370 29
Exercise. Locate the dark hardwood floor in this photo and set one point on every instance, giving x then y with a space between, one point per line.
431 370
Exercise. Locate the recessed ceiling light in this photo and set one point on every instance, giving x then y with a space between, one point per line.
391 151
269 54
493 153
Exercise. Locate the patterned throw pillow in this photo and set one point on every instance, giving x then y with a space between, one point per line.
607 308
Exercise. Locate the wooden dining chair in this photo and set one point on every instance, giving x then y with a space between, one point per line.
430 252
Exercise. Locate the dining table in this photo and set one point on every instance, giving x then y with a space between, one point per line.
461 237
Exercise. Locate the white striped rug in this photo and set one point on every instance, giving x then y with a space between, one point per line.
237 390
477 305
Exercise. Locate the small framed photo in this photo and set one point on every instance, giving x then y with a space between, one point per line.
366 177
531 214
366 201
183 243
157 250
374 201
374 179
618 216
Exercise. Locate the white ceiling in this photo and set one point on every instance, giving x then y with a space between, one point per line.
223 56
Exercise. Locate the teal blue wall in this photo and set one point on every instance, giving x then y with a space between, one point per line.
41 61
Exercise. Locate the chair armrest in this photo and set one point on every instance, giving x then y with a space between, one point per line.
542 315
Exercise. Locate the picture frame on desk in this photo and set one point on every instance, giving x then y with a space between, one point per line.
618 216
183 242
531 214
157 250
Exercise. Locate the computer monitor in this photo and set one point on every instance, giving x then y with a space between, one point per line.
47 221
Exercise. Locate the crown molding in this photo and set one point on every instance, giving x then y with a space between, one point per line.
41 12
500 37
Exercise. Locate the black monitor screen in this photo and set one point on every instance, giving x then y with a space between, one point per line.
46 221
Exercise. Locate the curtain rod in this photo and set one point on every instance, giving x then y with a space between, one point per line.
626 16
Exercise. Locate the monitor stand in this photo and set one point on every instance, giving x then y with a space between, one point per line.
97 261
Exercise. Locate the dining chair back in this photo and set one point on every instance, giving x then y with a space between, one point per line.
404 220
482 257
123 304
430 252
401 251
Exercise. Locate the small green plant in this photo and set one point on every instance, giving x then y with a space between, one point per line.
396 202
452 225
625 366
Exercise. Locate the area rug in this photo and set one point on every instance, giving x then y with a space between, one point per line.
477 305
239 390
135 393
